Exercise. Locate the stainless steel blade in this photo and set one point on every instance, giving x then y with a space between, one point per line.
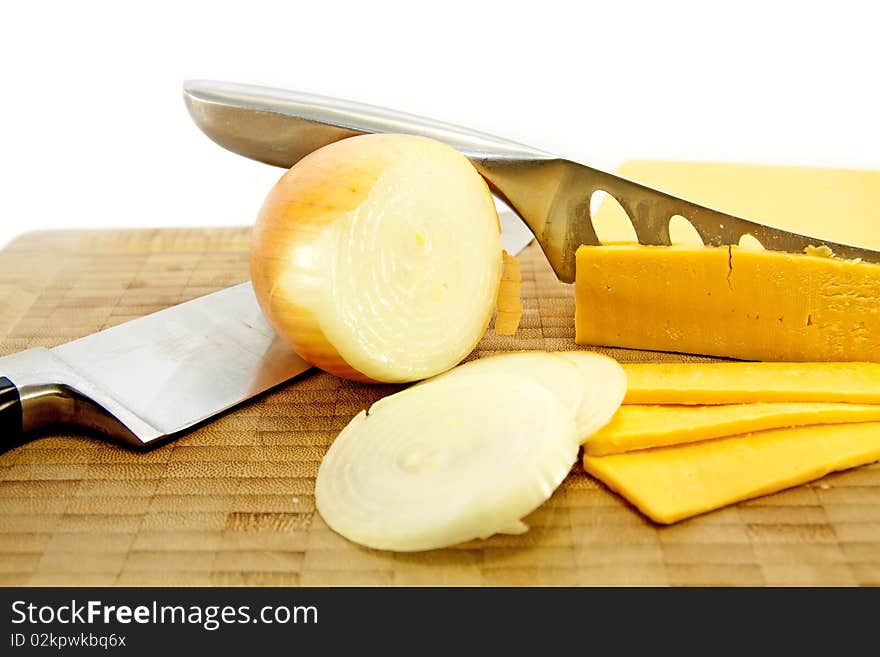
179 366
551 194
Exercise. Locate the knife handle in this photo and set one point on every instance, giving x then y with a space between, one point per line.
38 391
10 414
26 408
34 393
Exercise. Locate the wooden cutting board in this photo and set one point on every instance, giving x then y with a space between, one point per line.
232 502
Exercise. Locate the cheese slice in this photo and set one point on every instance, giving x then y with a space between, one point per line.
672 483
733 302
509 302
637 427
742 383
841 205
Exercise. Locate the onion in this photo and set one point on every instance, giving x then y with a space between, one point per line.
604 390
590 385
559 375
465 454
446 461
378 258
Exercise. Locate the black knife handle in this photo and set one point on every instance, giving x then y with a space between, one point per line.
10 414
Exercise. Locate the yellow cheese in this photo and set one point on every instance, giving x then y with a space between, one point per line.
735 302
837 204
672 483
637 427
841 205
509 303
744 383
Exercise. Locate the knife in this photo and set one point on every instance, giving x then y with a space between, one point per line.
153 378
552 195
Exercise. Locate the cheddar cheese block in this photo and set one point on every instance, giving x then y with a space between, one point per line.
739 303
637 426
742 383
728 301
672 483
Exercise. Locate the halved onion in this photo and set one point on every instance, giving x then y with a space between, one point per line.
604 390
450 460
378 258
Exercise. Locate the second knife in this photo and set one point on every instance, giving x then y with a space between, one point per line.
551 194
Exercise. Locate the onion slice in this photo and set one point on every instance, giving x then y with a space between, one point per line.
604 390
453 459
560 376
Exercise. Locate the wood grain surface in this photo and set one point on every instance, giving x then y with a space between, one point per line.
232 502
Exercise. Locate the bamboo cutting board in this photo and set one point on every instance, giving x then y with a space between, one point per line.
232 502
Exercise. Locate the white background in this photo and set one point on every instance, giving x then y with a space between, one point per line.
93 132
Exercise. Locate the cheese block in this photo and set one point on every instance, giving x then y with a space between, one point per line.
728 301
835 204
672 483
841 205
742 383
637 427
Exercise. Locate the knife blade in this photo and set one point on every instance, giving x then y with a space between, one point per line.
153 378
551 194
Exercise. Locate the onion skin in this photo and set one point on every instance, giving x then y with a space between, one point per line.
316 192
